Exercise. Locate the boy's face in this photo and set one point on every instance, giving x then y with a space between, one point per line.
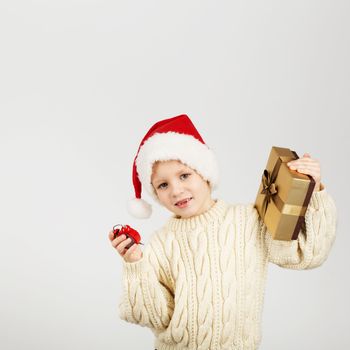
175 182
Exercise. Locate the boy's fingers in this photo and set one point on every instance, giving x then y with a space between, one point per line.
111 235
121 246
117 240
305 160
130 251
304 165
120 242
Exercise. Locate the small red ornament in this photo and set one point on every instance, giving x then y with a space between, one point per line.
128 232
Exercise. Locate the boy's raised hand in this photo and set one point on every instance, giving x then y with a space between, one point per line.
309 166
133 254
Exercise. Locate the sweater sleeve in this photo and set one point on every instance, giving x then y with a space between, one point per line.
146 300
314 241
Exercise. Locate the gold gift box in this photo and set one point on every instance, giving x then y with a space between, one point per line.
283 195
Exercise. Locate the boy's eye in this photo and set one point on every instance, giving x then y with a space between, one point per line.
186 175
164 184
161 185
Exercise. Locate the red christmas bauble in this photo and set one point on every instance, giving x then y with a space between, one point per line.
129 232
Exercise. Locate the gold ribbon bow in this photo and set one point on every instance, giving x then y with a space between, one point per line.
269 188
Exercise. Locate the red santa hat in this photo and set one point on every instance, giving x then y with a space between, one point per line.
169 139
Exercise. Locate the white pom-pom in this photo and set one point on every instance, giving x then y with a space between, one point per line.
139 208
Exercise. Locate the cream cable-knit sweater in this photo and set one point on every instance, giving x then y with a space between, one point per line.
200 283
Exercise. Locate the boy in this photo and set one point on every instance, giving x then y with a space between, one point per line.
199 284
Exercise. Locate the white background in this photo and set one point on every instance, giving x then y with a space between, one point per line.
80 84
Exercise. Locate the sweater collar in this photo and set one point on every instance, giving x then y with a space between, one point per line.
212 214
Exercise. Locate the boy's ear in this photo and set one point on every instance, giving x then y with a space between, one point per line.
209 184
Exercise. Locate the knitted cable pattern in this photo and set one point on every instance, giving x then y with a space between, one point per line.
201 281
229 281
198 242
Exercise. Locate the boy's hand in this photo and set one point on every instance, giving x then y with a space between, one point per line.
309 166
133 254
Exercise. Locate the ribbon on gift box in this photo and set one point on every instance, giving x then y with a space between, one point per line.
280 200
270 192
269 189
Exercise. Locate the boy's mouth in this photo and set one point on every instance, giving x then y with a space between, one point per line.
183 202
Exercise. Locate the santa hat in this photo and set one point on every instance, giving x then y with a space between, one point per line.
169 139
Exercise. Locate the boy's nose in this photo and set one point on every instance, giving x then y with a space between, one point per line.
177 190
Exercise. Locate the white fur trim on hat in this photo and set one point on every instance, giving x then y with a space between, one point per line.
176 146
139 208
